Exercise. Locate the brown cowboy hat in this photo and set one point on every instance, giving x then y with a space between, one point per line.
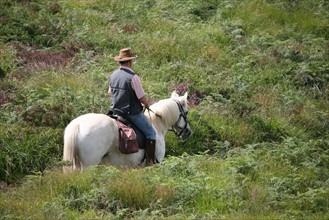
125 55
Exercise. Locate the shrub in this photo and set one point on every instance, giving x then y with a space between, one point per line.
28 23
24 151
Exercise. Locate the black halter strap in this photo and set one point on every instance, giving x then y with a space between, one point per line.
183 115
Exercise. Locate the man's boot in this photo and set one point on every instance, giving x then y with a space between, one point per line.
150 152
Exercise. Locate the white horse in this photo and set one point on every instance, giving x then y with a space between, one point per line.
93 139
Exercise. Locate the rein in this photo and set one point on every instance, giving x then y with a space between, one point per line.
150 110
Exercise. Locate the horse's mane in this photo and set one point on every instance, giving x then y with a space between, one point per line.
166 110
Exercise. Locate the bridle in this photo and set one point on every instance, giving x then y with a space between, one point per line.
181 131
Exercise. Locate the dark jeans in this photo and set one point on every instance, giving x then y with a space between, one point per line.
141 122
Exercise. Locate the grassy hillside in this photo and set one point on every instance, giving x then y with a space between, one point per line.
257 73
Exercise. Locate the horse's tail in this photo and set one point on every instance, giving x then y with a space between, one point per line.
71 150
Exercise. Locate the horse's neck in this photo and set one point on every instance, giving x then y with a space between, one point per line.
167 118
160 126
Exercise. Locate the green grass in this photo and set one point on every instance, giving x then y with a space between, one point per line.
241 185
257 74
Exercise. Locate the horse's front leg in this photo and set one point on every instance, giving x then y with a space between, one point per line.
160 148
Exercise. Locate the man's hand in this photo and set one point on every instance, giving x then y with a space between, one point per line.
144 101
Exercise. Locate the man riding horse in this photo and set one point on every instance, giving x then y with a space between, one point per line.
127 96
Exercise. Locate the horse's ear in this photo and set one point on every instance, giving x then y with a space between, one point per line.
174 94
185 96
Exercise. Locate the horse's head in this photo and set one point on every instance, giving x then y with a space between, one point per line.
182 127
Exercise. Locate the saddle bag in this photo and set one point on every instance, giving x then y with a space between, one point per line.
128 143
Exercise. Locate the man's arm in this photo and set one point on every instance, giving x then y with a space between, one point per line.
109 91
137 86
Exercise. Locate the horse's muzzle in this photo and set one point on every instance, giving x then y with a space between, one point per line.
186 133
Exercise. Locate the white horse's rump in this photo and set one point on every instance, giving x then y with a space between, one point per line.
93 139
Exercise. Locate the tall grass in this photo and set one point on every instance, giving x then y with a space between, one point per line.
249 182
